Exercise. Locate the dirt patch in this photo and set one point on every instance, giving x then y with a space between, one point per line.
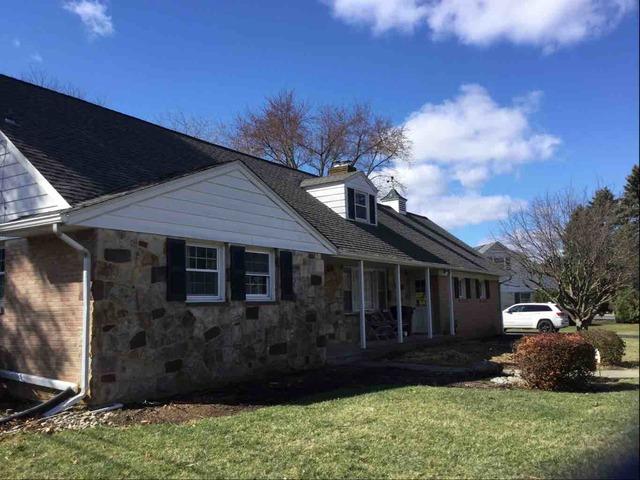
497 350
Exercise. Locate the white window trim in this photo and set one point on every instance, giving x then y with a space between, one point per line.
483 290
462 289
270 296
220 269
356 205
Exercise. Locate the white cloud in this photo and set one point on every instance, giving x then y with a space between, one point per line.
16 42
475 137
461 143
451 211
36 57
546 23
93 15
382 15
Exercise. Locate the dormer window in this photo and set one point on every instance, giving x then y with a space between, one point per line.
362 205
347 192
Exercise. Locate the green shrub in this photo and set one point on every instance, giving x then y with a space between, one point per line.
609 344
555 362
626 306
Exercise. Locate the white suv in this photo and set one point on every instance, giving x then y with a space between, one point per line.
544 317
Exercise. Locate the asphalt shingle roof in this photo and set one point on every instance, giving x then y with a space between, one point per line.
88 152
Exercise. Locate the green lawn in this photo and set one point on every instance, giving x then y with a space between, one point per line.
403 432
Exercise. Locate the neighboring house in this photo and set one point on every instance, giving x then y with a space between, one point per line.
514 286
144 263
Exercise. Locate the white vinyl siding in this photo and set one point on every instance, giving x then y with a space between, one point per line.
227 206
333 196
23 190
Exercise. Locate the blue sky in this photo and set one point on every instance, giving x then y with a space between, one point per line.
501 104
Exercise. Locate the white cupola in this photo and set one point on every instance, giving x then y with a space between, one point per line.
396 201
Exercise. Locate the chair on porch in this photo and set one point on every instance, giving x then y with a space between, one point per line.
407 313
378 327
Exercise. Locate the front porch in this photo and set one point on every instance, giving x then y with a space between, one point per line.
387 305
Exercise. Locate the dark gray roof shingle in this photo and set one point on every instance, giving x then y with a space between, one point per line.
87 152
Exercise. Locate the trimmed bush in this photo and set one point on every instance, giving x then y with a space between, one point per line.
555 362
626 306
609 344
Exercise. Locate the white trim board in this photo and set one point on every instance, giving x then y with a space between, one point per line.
225 203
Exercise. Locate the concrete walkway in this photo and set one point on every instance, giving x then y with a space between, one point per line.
619 373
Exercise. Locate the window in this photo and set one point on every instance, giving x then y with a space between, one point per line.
516 309
478 288
382 289
467 288
362 205
536 308
347 290
487 289
259 267
205 281
456 287
482 288
375 289
1 275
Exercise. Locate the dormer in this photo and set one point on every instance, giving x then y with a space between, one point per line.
396 201
346 191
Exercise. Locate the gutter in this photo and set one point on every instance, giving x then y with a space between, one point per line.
86 321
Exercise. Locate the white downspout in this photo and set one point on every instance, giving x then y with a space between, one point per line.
86 321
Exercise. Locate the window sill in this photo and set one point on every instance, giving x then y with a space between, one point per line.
205 300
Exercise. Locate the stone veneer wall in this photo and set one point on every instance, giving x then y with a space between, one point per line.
144 346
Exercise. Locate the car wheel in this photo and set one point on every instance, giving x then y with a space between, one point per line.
545 326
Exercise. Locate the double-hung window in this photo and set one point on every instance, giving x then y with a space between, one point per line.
259 266
362 205
205 273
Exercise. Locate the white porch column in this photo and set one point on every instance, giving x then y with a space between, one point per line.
452 322
399 305
363 318
427 297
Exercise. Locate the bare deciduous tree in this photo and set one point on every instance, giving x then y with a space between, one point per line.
277 131
288 131
576 245
193 125
44 79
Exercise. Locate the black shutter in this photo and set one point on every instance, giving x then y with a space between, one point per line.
372 209
176 270
467 287
456 287
487 289
351 203
478 288
286 275
237 273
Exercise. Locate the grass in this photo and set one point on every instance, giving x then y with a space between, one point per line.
404 432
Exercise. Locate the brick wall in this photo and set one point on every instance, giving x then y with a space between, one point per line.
40 329
478 317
